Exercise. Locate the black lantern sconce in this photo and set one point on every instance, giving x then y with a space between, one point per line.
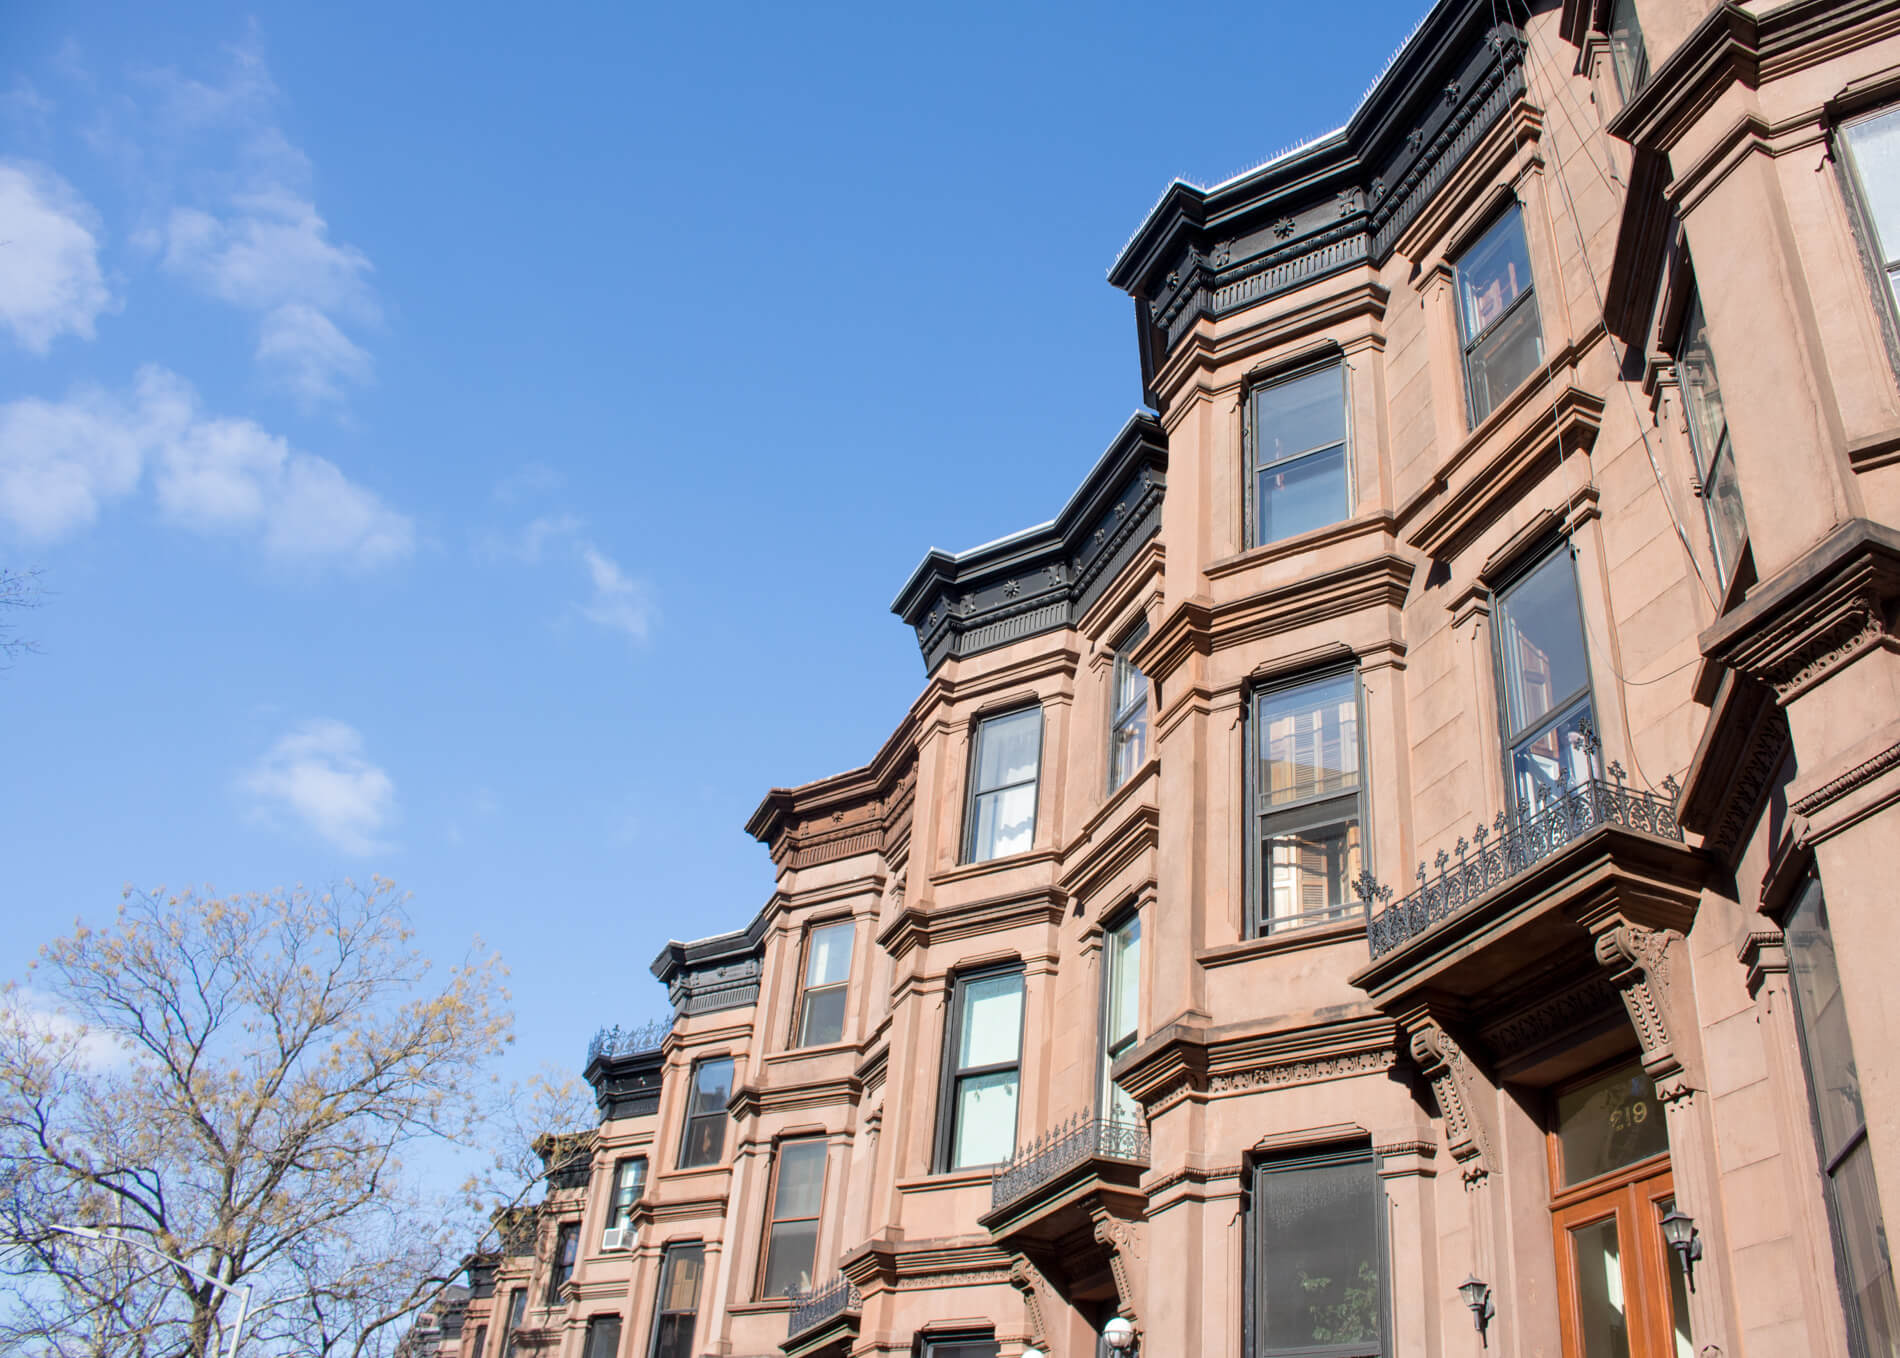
1680 1234
1477 1296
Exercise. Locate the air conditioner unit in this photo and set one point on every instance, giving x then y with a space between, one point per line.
614 1238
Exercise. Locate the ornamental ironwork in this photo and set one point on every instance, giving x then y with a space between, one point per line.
616 1041
1510 846
1061 1149
812 1309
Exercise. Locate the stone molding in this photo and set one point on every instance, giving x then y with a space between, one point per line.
1029 1279
1743 746
1127 1245
1551 1016
1639 961
1188 1060
1459 1089
1835 788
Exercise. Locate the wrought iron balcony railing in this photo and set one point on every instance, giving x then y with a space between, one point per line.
1511 846
618 1041
1061 1149
814 1308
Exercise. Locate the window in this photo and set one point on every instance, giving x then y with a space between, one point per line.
677 1304
791 1234
1628 57
1128 711
517 1312
827 969
603 1337
1545 675
1873 157
481 1342
981 1345
1497 315
567 1240
1860 1238
705 1140
630 1177
1121 1013
1001 816
1316 1269
1306 796
1297 433
1708 437
983 1053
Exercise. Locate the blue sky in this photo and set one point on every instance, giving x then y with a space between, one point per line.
483 450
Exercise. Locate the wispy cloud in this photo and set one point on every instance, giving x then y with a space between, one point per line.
50 281
528 480
616 600
39 1017
317 775
61 460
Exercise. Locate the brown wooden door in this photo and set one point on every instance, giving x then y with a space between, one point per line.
1620 1292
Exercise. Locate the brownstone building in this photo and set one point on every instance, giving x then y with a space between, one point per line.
1400 865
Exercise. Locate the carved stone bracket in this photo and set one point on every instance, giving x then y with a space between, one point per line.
1127 1245
1456 1086
1029 1279
1638 959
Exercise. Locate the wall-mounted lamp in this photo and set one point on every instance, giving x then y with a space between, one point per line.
1033 1352
1477 1296
1680 1233
1120 1334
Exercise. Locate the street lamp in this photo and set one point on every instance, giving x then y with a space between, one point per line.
243 1294
1679 1232
1120 1334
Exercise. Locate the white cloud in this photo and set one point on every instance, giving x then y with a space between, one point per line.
50 283
317 774
619 603
309 355
212 474
39 1016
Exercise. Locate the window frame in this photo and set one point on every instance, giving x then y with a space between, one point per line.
1558 713
619 1212
1704 460
516 1313
670 1254
773 1220
1470 343
1120 718
1110 1046
1253 1303
972 793
590 1342
481 1341
565 1257
1626 85
1884 268
1298 370
801 1013
951 1076
1300 814
686 1124
928 1345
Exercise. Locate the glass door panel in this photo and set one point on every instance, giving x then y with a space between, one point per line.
1602 1317
1621 1293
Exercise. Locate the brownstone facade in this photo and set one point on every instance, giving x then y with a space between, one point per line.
1399 865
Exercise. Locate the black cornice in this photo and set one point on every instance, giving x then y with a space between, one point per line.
709 974
1336 203
1043 578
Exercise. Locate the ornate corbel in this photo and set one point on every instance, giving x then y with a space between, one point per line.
1456 1087
1127 1247
1029 1279
1638 961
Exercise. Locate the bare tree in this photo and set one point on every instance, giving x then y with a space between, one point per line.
18 589
234 1081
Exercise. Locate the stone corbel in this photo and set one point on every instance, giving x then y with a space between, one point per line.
1029 1279
1127 1245
1638 959
1458 1089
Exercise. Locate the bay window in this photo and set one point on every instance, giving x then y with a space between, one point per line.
676 1305
1708 438
1873 161
976 1121
630 1177
791 1232
703 1140
1005 759
1497 315
567 1243
1296 432
1128 711
1307 794
603 1337
827 975
1121 1013
1544 673
1316 1257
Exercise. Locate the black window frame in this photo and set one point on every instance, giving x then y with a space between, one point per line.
773 1220
1305 814
1251 440
596 1326
561 1263
972 793
801 1019
1577 702
670 1255
1470 343
953 1076
516 1313
705 1116
1112 1045
933 1345
481 1341
1253 1302
1123 717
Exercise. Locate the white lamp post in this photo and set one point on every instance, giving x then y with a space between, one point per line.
243 1294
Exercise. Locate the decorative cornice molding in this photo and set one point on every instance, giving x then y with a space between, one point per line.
1552 1015
1835 788
1742 748
1186 1060
921 927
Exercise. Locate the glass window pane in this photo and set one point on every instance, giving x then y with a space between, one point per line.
1309 741
1560 748
1299 416
1876 147
712 1086
1128 746
1498 364
1611 1122
1601 1310
1627 52
1492 274
789 1257
801 1179
1867 1263
1320 1270
1299 496
992 1021
705 1141
1308 872
828 960
1124 979
679 1291
603 1337
1541 642
1701 389
1723 497
986 1120
824 1016
1122 1108
1817 983
1008 748
1005 823
960 1348
673 1337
